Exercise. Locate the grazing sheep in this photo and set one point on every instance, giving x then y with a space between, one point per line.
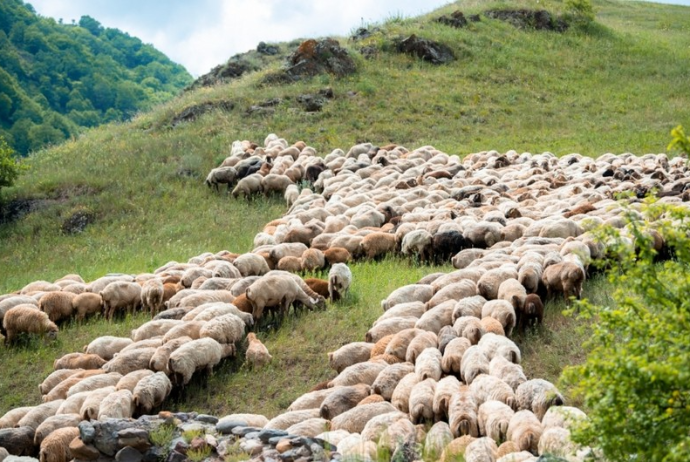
365 372
355 419
455 291
57 305
55 378
406 294
248 186
490 388
503 312
403 310
349 354
11 302
556 441
150 392
288 419
445 335
453 354
335 255
421 402
38 414
428 364
491 281
120 295
514 292
309 428
462 413
39 286
94 383
53 423
148 343
497 345
378 244
311 400
79 361
388 327
417 243
152 294
401 395
446 388
481 450
55 448
257 354
221 175
470 328
228 328
207 296
199 354
401 340
565 277
562 416
354 447
525 430
129 381
381 345
420 343
507 371
437 317
130 360
107 346
389 377
375 430
27 319
281 291
469 306
155 328
11 417
313 260
492 325
474 362
438 437
159 360
250 264
290 264
342 399
532 311
538 395
117 405
339 281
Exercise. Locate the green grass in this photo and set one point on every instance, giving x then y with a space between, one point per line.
619 85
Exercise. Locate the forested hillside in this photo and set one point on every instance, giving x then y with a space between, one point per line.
56 78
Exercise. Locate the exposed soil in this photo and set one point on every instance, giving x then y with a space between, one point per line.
193 112
529 19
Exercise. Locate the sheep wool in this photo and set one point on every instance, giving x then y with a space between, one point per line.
349 354
55 447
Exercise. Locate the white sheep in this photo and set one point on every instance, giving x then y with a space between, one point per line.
538 395
204 353
117 405
428 364
525 430
150 392
339 281
107 346
486 387
462 413
493 419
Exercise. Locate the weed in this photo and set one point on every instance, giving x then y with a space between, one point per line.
189 435
161 437
197 455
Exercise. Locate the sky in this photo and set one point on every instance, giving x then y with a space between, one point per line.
201 34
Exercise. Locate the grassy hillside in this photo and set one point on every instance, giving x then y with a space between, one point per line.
618 85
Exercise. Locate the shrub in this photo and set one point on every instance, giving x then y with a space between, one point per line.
635 382
680 141
579 12
10 168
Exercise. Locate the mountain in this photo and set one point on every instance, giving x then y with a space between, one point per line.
56 79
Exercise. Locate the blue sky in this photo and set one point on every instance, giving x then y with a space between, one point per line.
201 34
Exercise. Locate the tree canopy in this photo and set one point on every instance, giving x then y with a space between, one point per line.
57 78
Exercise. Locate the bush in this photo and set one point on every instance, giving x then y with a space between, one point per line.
579 12
10 168
635 382
679 141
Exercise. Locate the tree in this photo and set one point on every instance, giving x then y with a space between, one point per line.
9 167
679 140
636 379
90 24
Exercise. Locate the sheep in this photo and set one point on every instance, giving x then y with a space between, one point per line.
371 399
207 296
37 415
221 175
210 311
417 243
309 428
342 399
445 389
437 317
291 194
147 343
203 353
497 345
401 340
487 387
152 293
463 258
401 395
389 377
156 328
120 295
438 437
388 327
13 301
353 447
11 417
556 441
538 395
288 419
129 381
107 346
480 450
335 255
228 328
101 283
491 281
470 328
94 382
313 260
565 277
532 310
278 291
503 312
492 325
507 371
79 361
421 401
562 416
469 306
55 448
462 413
55 378
474 362
509 452
525 430
291 264
27 319
455 291
339 281
250 264
159 360
130 360
418 344
428 364
378 244
365 372
53 423
257 354
150 392
381 345
3 454
355 419
445 335
514 292
57 305
248 186
117 405
349 354
39 286
376 429
453 354
311 400
455 450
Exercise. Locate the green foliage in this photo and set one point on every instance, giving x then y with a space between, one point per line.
636 379
679 141
161 437
56 79
579 12
10 168
189 435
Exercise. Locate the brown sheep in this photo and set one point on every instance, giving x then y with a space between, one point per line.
79 361
257 354
565 277
243 304
381 345
87 304
57 305
27 319
335 255
120 295
152 295
531 311
313 259
55 448
319 286
278 291
291 264
378 244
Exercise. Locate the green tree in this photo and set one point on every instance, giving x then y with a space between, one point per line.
679 140
9 166
90 24
636 379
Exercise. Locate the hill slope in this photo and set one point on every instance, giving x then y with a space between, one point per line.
617 85
57 78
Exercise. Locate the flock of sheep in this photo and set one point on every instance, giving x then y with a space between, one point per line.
515 227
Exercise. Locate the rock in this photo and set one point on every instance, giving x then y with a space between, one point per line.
207 419
252 447
327 93
276 439
155 454
83 451
181 447
175 456
190 114
267 49
456 19
428 50
128 454
529 19
211 440
294 454
242 431
369 51
283 445
137 438
317 452
267 433
225 427
270 455
311 103
252 435
77 222
86 432
315 57
12 458
18 441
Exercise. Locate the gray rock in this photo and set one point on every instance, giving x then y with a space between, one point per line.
225 427
138 438
241 431
252 447
318 453
155 454
252 435
175 456
128 454
86 432
294 454
267 433
106 438
274 440
207 419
